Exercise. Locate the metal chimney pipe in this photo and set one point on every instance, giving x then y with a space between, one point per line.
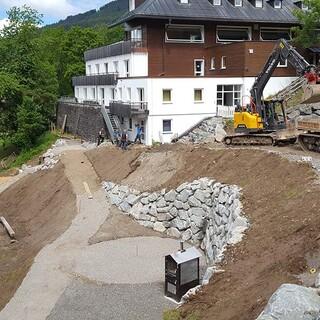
181 246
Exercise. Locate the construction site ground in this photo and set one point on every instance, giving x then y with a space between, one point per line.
73 274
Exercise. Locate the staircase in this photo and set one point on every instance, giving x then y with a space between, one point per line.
291 89
112 122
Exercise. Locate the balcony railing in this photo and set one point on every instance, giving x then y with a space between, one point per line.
128 109
107 79
116 49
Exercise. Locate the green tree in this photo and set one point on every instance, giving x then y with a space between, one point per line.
310 22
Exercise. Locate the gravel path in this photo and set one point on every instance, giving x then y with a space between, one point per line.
84 300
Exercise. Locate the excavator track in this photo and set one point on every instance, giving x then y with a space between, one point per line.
309 142
249 139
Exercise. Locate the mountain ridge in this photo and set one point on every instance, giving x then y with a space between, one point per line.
105 15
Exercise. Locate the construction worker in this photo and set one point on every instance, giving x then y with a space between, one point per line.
124 140
138 133
101 136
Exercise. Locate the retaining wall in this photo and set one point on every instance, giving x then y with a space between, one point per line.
204 212
83 120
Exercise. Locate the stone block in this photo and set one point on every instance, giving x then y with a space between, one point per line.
132 199
158 226
184 195
180 224
174 211
153 197
183 215
170 196
186 235
193 202
161 203
174 232
178 204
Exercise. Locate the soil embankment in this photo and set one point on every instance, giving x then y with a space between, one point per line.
281 199
39 207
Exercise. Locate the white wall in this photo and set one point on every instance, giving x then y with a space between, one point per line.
138 64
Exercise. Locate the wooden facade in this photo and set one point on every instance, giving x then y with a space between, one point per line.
244 58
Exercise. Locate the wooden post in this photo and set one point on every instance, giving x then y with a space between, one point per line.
64 124
7 227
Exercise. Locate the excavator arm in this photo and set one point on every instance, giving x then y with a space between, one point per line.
281 52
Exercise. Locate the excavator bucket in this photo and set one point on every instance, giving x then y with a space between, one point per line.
311 93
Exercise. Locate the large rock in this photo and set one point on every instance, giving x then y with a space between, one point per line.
184 195
153 197
292 302
197 212
125 206
174 232
158 226
161 203
178 204
186 235
170 196
132 199
180 224
200 195
193 202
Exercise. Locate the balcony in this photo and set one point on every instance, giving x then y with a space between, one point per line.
107 79
116 49
129 109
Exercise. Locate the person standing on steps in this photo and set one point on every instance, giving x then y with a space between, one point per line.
138 133
124 140
101 136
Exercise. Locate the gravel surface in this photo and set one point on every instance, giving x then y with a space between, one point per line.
84 300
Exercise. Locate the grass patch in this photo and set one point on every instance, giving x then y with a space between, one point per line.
43 143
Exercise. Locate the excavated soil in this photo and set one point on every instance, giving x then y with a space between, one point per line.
280 198
39 208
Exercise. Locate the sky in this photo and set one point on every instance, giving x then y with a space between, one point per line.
53 10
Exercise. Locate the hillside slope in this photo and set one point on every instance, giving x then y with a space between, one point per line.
105 15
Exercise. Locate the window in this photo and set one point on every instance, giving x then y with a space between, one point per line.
275 34
223 62
141 94
85 93
89 69
198 93
259 4
238 3
136 34
212 63
127 67
184 1
77 93
113 94
129 94
93 93
283 64
166 95
166 126
227 34
277 4
228 95
184 33
120 94
97 68
130 123
116 66
199 68
106 67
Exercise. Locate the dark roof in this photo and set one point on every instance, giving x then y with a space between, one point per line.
315 50
204 10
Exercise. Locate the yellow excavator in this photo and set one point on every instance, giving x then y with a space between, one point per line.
264 122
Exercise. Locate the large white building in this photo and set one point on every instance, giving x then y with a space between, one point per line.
172 71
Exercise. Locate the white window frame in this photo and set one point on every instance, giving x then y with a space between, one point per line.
223 63
127 67
283 65
233 93
116 66
97 68
106 67
233 27
276 29
167 102
85 93
213 63
184 1
216 2
186 26
129 94
89 69
194 93
167 132
277 4
260 2
77 94
202 70
239 3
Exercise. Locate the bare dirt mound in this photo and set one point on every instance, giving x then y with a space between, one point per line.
113 164
282 202
39 207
